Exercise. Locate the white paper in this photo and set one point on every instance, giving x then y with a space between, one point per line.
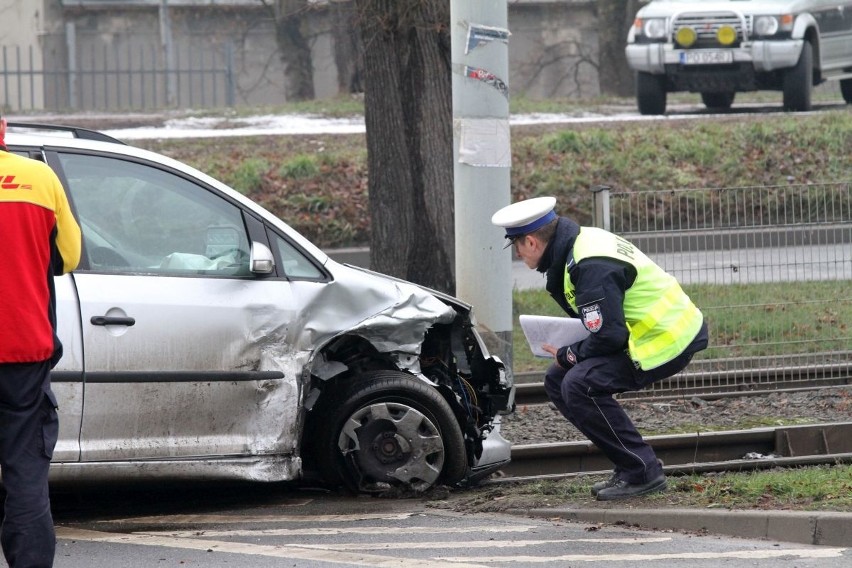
552 330
484 142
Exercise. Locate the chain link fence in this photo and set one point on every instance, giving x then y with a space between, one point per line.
770 268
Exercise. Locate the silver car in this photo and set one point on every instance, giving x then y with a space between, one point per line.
205 338
722 47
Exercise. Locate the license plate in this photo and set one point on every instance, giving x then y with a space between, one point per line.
706 57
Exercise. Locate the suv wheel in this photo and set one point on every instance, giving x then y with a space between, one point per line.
650 93
718 100
846 90
798 81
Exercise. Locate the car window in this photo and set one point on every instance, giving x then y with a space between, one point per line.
138 218
294 264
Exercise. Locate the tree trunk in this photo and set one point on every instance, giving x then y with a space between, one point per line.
293 38
614 20
408 114
347 47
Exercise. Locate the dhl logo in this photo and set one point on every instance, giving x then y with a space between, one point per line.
8 182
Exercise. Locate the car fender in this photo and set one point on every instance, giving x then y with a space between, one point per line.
803 23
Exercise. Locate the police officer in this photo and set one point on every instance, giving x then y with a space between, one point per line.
643 328
40 239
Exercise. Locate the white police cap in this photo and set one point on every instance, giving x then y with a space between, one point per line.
526 216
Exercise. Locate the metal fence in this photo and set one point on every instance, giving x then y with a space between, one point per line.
770 268
105 79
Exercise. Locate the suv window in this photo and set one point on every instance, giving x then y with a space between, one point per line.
140 219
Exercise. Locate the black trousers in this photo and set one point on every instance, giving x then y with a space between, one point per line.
29 427
583 394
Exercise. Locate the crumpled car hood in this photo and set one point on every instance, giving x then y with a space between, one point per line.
392 314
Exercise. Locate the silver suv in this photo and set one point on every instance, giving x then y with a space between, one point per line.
205 338
721 47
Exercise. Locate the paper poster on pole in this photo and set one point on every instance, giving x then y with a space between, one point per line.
556 331
484 142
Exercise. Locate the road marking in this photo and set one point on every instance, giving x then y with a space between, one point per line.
290 551
198 519
331 531
347 553
474 544
739 554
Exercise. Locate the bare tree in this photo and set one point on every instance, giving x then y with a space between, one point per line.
408 114
347 47
294 46
614 20
562 67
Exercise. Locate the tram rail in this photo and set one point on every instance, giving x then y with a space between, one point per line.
738 450
713 385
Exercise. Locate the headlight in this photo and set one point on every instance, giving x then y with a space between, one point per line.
686 36
726 35
654 28
766 25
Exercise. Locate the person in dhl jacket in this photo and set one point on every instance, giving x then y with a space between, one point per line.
642 328
40 239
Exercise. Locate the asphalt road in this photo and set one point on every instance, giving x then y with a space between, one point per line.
739 266
263 526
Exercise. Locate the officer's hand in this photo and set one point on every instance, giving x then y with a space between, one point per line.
550 349
565 358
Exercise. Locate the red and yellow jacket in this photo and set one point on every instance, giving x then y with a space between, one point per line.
40 239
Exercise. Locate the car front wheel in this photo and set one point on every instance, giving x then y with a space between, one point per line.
389 430
650 93
798 81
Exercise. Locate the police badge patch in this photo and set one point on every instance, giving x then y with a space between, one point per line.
592 317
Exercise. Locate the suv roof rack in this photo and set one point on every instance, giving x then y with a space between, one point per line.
76 131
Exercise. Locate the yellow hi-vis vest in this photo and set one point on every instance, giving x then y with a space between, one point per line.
661 319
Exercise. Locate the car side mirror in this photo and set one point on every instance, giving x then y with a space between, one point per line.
261 260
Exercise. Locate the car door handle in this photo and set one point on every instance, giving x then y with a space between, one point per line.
112 320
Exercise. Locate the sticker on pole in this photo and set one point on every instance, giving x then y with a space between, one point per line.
484 142
488 78
478 35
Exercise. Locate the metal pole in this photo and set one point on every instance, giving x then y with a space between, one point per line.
6 80
231 97
482 162
168 53
601 206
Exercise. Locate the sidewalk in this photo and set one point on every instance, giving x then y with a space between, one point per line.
806 527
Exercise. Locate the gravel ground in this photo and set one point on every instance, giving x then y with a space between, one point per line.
541 423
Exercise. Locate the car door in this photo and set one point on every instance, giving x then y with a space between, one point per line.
184 347
67 377
834 18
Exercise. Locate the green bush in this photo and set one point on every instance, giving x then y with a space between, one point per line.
299 167
248 176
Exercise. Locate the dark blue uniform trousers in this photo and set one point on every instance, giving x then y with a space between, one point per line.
583 394
29 427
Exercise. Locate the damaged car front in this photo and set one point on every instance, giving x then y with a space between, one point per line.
407 397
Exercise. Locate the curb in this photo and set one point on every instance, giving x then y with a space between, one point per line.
804 527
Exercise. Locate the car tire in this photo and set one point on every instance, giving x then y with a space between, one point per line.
798 82
650 93
718 100
389 431
846 90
